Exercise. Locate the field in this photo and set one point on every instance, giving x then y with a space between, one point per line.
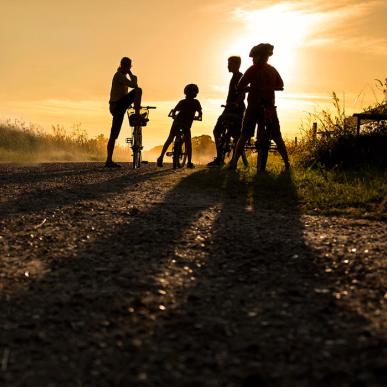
191 278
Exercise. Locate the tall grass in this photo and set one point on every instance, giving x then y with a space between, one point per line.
336 143
24 143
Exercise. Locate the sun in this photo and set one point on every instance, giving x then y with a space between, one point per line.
281 25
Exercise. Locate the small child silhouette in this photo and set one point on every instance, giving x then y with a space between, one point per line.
183 115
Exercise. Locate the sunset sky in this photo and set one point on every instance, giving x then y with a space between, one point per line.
58 58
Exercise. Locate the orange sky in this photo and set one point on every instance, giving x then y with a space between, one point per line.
57 59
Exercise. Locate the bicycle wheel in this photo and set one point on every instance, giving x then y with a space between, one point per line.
224 147
176 153
183 154
136 158
137 140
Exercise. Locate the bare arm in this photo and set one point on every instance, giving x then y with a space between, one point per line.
199 112
133 79
243 83
279 84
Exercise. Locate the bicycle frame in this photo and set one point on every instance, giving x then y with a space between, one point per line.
136 122
178 153
227 142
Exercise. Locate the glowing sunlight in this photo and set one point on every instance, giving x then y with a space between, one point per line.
280 25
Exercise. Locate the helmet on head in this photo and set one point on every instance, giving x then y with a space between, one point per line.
262 50
191 89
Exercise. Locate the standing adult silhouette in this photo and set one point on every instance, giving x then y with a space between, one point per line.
120 100
235 106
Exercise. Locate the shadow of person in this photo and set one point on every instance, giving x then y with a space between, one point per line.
46 197
262 311
213 285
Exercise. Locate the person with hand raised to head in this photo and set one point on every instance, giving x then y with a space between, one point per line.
120 100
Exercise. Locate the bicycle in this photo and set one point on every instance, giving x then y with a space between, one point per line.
137 122
178 153
227 140
263 142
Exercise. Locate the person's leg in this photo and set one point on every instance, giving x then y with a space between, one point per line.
167 143
248 127
118 117
217 132
277 137
118 109
239 150
188 146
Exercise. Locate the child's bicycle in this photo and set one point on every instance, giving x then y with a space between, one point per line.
227 142
263 142
179 153
135 141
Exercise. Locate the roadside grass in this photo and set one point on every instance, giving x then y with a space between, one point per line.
360 193
26 143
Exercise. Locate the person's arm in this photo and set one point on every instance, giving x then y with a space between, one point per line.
173 113
133 79
279 83
244 81
199 111
132 82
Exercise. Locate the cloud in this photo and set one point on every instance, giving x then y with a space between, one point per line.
343 24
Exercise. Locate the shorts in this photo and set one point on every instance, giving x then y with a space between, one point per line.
185 126
118 110
256 116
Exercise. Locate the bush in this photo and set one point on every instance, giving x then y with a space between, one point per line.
336 144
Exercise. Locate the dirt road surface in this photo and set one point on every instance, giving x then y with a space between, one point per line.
190 278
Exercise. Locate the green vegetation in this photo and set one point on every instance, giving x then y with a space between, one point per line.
332 141
356 193
21 143
360 193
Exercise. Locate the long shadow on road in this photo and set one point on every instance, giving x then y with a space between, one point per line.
263 312
213 286
45 199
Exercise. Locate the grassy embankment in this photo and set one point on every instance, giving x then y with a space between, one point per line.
21 143
360 193
334 170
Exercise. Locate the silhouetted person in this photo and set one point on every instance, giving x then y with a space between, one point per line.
183 115
235 107
120 100
263 80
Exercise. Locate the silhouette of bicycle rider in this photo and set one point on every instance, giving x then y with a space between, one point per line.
183 115
120 100
264 80
235 107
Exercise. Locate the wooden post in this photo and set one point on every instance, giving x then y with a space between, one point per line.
295 141
314 131
358 126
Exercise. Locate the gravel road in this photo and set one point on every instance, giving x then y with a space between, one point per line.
190 278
